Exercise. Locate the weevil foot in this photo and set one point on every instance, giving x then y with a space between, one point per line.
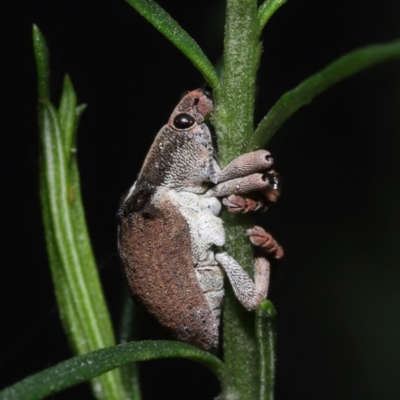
242 204
260 238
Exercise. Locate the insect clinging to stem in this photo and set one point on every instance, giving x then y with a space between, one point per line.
171 237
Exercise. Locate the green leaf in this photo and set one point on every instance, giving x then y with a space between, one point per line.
87 262
67 312
67 115
78 222
267 10
164 23
79 296
42 62
128 333
266 343
304 93
82 368
55 180
64 296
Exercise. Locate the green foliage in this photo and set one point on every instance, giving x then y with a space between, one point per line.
128 332
266 344
79 295
163 22
82 368
249 340
267 10
344 67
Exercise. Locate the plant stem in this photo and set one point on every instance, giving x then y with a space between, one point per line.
233 115
233 120
266 342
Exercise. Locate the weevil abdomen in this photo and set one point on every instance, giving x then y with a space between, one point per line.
156 253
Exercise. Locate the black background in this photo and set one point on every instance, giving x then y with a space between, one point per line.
337 291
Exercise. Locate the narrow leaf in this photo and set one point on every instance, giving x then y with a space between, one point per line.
304 93
42 62
128 333
80 299
266 343
164 23
267 10
86 258
56 180
67 312
82 239
67 115
65 298
82 368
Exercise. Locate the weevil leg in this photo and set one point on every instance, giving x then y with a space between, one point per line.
211 281
251 293
242 204
264 240
246 164
246 174
246 184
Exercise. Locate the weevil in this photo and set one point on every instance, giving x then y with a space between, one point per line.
171 237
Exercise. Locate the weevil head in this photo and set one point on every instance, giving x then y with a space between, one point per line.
181 155
191 110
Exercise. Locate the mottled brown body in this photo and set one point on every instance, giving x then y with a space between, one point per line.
160 272
171 236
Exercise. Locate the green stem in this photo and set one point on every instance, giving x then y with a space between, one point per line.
266 343
233 120
240 347
234 98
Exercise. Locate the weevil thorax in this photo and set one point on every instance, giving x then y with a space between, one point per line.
181 154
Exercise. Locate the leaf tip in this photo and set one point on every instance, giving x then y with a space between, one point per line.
37 34
267 308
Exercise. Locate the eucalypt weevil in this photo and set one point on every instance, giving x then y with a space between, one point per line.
170 233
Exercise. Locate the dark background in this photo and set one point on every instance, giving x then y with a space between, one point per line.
337 291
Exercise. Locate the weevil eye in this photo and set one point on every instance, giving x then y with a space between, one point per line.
183 121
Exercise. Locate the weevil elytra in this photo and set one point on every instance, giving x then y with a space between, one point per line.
171 237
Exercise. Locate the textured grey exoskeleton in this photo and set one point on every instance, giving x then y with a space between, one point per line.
171 237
